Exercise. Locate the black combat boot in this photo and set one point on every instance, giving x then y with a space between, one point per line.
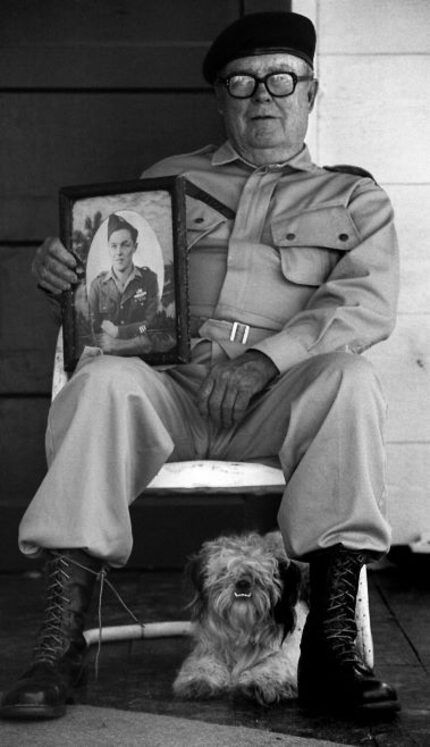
58 666
331 675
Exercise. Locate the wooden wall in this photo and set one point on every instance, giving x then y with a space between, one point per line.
90 91
373 110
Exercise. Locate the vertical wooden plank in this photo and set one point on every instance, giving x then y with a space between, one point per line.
22 447
109 22
108 44
53 140
259 6
28 326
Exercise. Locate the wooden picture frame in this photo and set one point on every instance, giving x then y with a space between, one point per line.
129 241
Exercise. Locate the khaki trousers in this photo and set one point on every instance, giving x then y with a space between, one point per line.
117 421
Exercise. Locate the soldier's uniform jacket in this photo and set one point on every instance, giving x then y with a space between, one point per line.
132 310
304 258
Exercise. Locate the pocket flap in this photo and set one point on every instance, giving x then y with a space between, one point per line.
328 228
201 220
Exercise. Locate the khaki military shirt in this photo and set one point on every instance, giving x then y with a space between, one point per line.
303 258
130 310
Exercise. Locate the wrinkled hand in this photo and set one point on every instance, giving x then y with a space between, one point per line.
140 345
227 390
106 342
110 328
53 266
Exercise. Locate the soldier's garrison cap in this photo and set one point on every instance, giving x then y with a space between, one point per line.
261 33
117 222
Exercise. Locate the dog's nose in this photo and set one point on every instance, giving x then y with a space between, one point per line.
243 586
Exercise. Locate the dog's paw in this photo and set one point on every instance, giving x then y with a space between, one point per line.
265 693
196 689
260 695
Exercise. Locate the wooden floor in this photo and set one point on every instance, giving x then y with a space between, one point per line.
138 675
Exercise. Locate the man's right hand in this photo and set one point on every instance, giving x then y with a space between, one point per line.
53 267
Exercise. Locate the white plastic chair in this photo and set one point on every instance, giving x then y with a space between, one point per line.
225 478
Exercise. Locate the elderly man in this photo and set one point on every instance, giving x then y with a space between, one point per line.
293 273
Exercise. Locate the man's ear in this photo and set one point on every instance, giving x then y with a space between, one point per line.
219 97
312 93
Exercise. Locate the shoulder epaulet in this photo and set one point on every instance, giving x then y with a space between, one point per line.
143 269
176 164
101 275
345 168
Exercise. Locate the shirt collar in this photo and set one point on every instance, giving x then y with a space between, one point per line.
111 275
227 154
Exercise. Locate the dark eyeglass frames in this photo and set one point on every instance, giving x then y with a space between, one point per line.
277 83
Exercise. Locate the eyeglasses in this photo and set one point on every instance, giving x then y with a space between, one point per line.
278 84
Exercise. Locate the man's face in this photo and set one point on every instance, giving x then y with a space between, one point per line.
267 129
122 248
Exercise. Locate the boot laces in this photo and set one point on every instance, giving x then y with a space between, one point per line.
339 625
51 641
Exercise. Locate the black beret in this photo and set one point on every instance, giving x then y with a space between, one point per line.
117 222
261 33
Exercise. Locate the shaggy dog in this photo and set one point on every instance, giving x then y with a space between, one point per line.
248 612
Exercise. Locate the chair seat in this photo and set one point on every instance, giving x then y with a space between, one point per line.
215 475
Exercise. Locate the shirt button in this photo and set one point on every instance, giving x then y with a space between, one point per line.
198 220
291 236
343 237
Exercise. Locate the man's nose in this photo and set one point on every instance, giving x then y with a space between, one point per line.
261 93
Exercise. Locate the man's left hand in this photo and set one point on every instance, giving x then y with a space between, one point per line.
227 390
110 328
107 343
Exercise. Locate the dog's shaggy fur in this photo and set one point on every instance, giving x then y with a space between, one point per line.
248 611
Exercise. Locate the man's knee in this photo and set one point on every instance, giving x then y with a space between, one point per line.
354 368
105 378
356 376
350 363
107 371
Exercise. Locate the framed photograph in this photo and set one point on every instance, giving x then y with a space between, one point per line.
129 241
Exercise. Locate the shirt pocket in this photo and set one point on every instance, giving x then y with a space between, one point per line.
107 305
310 244
204 221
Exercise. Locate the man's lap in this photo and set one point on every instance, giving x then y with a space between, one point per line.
173 394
